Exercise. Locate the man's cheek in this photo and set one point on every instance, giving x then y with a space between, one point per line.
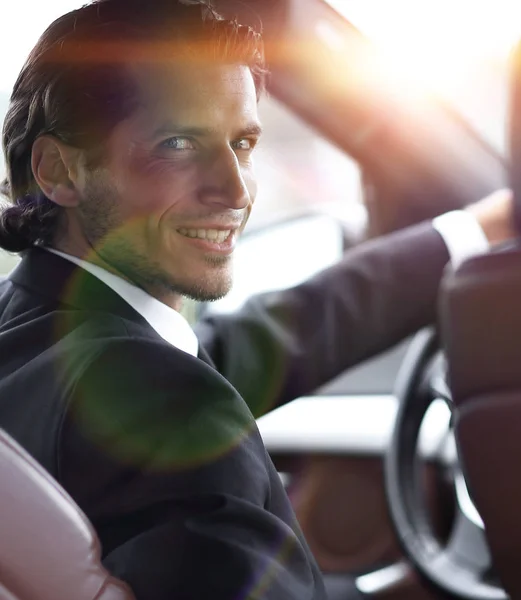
146 196
163 189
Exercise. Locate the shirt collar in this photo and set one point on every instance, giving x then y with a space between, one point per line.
166 321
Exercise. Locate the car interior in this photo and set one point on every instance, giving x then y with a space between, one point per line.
390 492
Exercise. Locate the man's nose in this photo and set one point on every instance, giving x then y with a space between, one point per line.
224 182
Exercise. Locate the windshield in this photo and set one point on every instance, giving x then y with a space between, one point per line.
457 49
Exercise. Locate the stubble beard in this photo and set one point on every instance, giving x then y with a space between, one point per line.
111 241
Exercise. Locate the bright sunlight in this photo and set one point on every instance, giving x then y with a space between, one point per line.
433 42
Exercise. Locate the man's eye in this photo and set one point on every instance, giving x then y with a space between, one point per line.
243 144
178 143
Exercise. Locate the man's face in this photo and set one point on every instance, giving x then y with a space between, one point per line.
176 186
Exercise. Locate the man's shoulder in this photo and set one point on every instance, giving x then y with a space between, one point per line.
101 346
153 403
40 337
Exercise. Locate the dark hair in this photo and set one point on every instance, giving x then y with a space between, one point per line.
74 86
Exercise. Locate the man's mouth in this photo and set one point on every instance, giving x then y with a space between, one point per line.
217 236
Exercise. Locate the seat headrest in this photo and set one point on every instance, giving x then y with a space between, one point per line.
480 322
48 549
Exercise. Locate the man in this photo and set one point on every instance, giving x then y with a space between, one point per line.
129 143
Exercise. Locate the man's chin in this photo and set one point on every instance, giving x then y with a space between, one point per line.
207 289
205 295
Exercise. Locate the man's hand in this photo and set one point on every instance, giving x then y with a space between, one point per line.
495 214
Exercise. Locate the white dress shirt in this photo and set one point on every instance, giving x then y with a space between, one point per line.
166 321
462 235
460 231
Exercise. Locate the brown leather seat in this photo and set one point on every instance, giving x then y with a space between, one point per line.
48 548
481 321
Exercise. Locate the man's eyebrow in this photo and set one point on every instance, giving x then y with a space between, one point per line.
254 129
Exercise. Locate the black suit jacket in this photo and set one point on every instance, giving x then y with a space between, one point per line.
160 448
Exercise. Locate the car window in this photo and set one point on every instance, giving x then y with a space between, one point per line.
299 170
458 51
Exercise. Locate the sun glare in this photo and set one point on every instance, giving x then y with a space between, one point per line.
434 43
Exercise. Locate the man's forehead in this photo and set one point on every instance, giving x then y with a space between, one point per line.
189 84
208 100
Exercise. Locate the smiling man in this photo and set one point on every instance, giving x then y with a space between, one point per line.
173 186
129 142
170 197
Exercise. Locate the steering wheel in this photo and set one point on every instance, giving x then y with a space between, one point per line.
462 566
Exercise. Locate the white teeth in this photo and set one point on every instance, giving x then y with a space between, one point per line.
213 235
221 236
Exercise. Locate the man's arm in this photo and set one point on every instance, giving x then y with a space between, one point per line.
285 344
166 461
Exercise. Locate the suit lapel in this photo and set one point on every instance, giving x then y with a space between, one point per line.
63 283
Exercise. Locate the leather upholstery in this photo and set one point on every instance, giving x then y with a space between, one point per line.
481 323
481 327
48 549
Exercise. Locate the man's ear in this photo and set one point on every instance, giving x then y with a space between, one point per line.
55 168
